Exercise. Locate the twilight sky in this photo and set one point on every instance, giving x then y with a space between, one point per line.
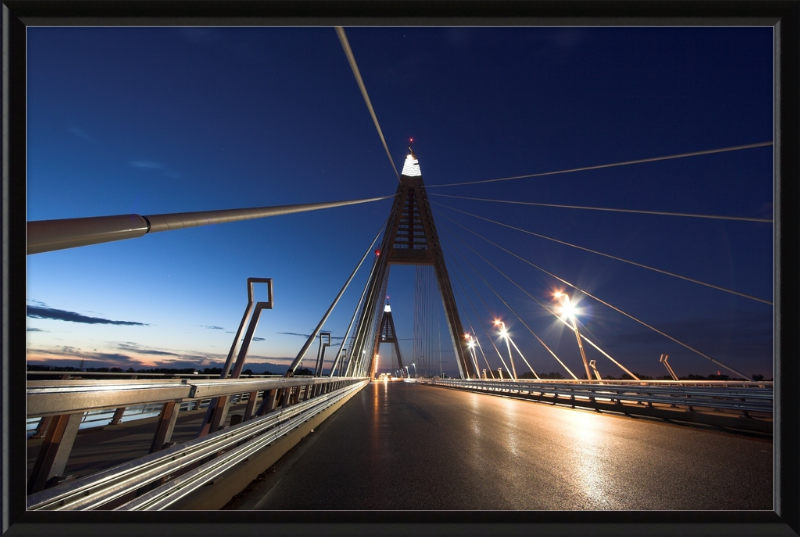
161 120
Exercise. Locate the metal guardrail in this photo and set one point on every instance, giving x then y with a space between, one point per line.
744 397
56 397
62 404
103 487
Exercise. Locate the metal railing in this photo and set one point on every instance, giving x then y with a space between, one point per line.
241 440
55 397
743 397
62 405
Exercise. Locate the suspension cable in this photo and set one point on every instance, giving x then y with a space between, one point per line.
472 329
352 321
640 161
352 59
458 279
603 302
512 310
523 357
549 310
662 213
313 335
611 256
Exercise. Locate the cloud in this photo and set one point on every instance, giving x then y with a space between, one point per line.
98 358
36 312
36 330
213 327
149 164
153 165
306 335
133 347
255 338
80 133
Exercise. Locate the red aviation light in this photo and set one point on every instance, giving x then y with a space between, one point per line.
377 253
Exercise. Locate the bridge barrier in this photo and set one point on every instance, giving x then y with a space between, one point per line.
66 401
235 444
743 398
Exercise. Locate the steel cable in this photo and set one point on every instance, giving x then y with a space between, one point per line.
717 287
661 213
350 58
699 353
640 161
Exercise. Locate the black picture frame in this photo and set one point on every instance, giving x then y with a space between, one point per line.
783 15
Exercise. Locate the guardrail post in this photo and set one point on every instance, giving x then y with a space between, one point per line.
251 405
268 403
41 429
54 452
165 426
120 411
117 416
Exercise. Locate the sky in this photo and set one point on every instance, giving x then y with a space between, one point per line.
165 120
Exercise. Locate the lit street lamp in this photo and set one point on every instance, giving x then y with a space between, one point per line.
415 369
471 345
504 333
568 311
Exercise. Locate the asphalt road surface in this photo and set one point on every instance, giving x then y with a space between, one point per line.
414 447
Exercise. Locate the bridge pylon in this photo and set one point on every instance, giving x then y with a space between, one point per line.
386 334
410 239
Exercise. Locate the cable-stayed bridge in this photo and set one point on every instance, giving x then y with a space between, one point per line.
175 474
518 415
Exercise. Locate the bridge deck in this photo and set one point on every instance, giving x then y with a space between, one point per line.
405 446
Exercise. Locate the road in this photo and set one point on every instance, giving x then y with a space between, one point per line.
414 447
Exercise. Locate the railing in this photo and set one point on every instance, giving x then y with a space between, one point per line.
62 405
240 441
744 397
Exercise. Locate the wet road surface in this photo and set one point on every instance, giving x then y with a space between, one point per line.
413 447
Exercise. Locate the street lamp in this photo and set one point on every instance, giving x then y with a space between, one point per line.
415 369
568 310
504 333
471 345
407 375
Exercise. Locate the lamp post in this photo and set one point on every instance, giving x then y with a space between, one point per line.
504 333
568 310
471 345
415 369
407 375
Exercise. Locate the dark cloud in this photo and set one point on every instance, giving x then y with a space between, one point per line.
133 347
36 330
98 359
37 312
255 338
213 327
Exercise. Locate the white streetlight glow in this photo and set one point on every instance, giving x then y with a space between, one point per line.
568 311
504 333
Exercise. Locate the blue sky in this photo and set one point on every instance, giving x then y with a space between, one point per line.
162 120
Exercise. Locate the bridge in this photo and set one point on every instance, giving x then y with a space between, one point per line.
536 414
